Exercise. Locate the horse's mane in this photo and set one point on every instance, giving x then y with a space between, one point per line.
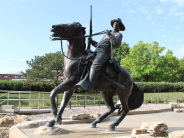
83 30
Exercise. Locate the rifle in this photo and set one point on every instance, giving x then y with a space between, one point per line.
90 28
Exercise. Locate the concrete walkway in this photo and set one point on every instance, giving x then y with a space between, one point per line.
175 121
35 110
149 108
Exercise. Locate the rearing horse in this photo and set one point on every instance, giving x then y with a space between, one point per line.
131 97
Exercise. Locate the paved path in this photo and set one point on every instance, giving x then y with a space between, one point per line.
175 121
97 110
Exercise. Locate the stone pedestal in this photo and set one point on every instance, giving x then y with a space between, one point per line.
50 131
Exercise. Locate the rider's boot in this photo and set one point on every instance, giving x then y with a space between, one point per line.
92 78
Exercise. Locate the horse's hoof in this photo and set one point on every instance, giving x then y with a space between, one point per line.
92 125
59 119
50 123
110 128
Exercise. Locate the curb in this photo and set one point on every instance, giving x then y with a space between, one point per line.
16 129
148 112
17 133
144 112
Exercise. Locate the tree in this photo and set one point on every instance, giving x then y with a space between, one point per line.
47 67
181 70
169 65
121 52
145 62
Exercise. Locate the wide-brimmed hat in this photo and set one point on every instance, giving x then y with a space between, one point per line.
122 27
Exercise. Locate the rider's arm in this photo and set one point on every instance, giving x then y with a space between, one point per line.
116 39
93 42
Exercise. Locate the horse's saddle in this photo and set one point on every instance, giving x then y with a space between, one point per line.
111 67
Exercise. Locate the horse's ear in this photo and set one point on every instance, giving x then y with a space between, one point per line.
83 30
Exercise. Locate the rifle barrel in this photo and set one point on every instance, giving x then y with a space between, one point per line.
90 27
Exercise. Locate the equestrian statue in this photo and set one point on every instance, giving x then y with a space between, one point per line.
98 71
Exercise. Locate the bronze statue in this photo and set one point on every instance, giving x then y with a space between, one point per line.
110 82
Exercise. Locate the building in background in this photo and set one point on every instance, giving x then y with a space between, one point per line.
8 77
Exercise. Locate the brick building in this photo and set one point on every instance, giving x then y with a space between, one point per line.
12 77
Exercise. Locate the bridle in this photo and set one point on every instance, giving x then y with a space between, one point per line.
60 38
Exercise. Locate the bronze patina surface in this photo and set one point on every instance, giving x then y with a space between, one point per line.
83 68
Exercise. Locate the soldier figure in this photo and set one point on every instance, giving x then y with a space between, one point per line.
103 50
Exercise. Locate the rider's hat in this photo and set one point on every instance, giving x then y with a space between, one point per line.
122 27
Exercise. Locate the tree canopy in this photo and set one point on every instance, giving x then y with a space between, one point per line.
121 51
145 62
181 70
44 68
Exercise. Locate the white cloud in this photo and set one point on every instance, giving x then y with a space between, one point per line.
178 13
177 26
151 1
179 52
144 9
149 18
173 11
182 18
127 2
159 10
178 2
179 40
130 11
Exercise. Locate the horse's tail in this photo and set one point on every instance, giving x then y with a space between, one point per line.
136 98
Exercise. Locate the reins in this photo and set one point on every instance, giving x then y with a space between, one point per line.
65 55
71 58
74 59
54 39
84 63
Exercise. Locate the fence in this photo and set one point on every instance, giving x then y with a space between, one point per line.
42 99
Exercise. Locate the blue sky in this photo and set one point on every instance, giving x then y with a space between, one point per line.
25 25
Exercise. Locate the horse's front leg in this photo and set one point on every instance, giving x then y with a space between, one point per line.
66 97
66 85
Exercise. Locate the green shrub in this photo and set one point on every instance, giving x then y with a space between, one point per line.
48 86
161 86
26 86
47 103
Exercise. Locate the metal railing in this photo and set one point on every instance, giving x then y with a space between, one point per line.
19 99
75 99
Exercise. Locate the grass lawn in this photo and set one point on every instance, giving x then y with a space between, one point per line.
149 97
163 96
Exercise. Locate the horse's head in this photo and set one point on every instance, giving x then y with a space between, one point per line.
68 30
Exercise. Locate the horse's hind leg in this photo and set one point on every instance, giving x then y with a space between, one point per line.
66 97
110 108
125 110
